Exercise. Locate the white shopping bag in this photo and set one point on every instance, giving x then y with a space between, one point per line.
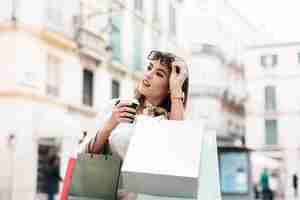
163 158
208 180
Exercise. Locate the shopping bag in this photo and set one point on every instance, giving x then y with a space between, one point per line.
68 178
208 180
93 177
163 158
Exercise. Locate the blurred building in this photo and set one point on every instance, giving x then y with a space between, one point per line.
60 60
217 38
272 73
218 93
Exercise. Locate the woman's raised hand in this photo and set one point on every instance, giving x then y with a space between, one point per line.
122 113
178 76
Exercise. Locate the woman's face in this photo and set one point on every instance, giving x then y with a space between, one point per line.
155 83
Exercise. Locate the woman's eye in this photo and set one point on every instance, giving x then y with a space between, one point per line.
160 75
149 67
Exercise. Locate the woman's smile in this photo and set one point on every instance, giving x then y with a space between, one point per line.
146 83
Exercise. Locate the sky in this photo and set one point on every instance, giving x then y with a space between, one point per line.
277 18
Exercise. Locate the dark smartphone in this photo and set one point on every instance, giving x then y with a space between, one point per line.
131 104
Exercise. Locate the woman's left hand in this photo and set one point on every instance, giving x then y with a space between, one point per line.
177 79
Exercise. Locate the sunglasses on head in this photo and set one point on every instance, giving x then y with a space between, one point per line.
165 59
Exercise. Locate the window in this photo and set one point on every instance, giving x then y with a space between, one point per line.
88 79
271 135
138 5
115 89
268 60
138 45
53 76
54 13
155 14
115 39
270 98
172 20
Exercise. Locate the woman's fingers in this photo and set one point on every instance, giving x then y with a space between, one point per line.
120 105
127 114
173 72
124 107
182 68
125 119
123 113
127 109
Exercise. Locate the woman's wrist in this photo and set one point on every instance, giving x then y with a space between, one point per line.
110 125
177 94
176 99
94 145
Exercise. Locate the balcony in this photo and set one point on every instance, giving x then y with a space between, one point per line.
236 129
235 94
91 44
231 126
201 90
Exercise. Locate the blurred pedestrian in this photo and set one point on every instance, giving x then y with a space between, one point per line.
256 191
267 193
52 176
295 185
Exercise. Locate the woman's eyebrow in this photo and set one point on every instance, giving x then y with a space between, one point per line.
162 70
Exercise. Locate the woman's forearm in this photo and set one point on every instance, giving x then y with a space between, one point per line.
96 144
177 110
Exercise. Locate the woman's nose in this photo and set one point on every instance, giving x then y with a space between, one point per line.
148 75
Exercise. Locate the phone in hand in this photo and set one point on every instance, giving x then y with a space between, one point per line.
130 103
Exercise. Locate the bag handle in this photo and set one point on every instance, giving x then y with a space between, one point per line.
105 151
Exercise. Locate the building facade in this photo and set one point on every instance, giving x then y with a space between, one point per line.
60 61
216 38
272 73
218 95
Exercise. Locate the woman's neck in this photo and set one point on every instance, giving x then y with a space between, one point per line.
149 102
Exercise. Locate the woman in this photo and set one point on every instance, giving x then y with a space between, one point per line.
164 90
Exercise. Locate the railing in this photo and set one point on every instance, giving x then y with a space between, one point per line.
206 90
232 125
235 94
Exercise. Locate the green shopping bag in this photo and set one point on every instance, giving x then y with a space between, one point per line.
95 177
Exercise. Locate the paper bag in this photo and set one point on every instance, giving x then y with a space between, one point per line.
163 158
